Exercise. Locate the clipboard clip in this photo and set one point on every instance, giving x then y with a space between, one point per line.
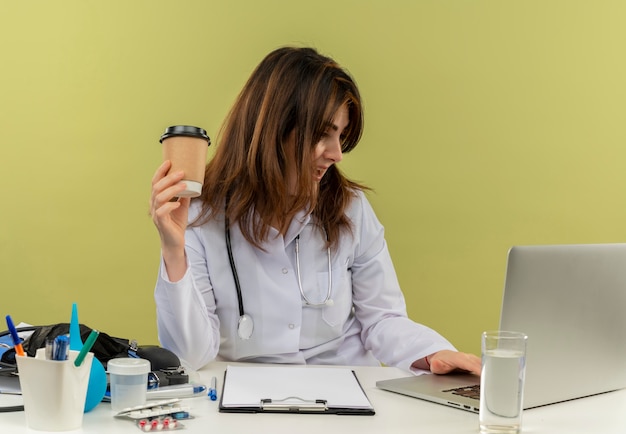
294 404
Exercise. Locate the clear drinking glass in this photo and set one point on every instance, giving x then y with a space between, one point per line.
502 382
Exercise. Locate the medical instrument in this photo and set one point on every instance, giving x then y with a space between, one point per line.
176 391
245 326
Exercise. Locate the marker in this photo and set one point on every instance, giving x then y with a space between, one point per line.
91 339
16 339
60 347
213 389
176 391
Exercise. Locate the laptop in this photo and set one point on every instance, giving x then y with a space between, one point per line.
570 300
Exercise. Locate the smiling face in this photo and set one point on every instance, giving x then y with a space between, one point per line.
328 150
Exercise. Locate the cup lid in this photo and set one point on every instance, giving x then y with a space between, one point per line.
185 130
128 366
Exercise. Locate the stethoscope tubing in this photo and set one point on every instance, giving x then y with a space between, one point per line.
245 325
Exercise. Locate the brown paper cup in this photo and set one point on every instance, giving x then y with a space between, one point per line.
186 147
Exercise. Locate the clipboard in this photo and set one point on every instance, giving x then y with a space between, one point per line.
290 389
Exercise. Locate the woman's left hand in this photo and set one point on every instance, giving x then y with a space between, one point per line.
446 361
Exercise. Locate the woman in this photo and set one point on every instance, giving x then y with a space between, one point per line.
283 259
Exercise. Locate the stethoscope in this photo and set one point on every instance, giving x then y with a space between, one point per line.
245 325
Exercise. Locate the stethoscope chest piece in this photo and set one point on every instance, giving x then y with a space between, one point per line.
245 326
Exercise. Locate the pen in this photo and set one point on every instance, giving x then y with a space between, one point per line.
176 391
213 389
91 339
16 339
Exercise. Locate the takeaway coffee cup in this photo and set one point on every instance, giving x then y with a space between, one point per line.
186 147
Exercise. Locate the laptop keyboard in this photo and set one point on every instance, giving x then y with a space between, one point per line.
467 391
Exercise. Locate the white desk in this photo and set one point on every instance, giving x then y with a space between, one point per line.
395 413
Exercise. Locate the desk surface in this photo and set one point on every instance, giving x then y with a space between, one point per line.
395 413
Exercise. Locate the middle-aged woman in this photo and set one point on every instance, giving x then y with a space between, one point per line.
282 259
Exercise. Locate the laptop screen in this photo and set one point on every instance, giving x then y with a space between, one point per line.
569 300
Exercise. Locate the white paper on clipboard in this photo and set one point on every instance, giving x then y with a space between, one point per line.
248 386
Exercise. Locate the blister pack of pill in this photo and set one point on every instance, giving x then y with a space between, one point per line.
155 409
163 415
160 423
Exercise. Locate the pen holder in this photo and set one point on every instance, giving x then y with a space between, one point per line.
54 391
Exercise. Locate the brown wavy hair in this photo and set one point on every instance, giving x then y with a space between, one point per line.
292 96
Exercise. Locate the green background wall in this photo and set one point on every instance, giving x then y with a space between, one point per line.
488 124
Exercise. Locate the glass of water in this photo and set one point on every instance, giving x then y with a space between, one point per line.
502 382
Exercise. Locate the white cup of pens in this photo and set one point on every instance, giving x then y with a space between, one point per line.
54 383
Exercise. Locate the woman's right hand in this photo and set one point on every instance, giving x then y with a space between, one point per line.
170 218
